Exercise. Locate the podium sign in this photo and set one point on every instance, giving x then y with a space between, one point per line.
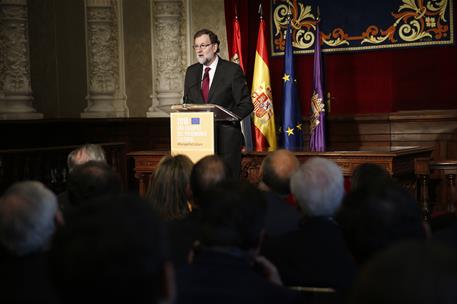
192 134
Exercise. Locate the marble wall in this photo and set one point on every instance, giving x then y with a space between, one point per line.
59 46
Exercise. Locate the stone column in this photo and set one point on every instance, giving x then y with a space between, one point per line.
105 60
168 53
15 84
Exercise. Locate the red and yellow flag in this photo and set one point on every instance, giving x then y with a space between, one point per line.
263 117
235 54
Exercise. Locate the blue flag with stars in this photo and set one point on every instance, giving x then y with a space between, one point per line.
291 133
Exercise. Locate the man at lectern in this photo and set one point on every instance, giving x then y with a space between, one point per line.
221 82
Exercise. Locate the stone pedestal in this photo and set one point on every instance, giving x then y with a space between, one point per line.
15 84
168 54
105 60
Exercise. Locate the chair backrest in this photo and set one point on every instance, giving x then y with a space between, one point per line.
318 295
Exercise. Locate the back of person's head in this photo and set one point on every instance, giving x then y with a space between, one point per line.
167 189
114 250
318 186
208 171
232 215
84 154
411 272
367 174
377 217
27 218
92 179
276 170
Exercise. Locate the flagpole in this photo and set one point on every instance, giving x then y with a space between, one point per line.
292 132
317 121
262 99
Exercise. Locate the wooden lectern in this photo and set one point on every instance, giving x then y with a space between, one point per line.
192 128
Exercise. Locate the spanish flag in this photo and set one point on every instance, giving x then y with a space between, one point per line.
263 116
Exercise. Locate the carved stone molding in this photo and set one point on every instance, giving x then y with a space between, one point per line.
168 53
105 60
15 85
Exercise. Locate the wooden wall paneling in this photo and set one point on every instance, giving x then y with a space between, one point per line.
433 128
49 165
358 132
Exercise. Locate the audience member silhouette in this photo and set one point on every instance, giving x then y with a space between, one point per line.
208 171
90 180
112 251
79 156
167 190
415 272
226 267
315 255
28 218
374 218
276 170
367 174
446 230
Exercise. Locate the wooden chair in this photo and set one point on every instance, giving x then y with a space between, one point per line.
318 295
446 172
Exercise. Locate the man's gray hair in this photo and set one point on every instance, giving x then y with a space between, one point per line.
318 187
84 154
27 217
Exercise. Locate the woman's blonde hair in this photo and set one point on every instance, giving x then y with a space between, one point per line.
168 185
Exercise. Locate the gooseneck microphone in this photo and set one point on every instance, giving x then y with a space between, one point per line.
185 98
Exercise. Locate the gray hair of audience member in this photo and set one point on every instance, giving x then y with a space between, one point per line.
367 175
27 217
318 186
84 154
208 171
276 170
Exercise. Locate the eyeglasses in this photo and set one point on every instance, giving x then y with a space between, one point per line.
201 46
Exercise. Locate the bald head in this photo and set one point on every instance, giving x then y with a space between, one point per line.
207 172
276 170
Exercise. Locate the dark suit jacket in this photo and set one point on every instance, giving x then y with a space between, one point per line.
315 255
229 90
281 217
216 277
25 279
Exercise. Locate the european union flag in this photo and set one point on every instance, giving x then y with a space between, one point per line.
292 134
195 120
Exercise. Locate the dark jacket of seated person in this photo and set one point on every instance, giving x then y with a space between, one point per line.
226 267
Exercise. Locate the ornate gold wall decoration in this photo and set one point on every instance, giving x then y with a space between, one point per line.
385 24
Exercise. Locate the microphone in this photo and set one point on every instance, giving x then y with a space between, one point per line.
185 98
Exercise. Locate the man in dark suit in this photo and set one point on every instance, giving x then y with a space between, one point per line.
226 266
315 255
276 170
217 81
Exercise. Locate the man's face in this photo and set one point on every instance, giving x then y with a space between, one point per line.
205 50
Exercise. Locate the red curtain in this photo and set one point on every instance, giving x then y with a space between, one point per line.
365 82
